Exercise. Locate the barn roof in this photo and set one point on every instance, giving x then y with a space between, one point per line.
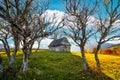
58 42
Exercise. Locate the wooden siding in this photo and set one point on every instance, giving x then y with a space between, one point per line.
60 48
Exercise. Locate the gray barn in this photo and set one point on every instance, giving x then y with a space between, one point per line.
60 45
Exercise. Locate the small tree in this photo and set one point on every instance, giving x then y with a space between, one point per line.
5 34
27 20
107 25
18 14
79 14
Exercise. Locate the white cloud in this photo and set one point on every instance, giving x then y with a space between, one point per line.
53 16
114 41
117 23
44 43
91 21
74 48
0 42
12 45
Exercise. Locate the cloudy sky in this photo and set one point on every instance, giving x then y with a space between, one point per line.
55 7
58 7
45 42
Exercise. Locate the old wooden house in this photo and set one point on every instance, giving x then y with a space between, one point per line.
60 45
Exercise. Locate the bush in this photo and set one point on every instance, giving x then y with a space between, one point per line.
109 51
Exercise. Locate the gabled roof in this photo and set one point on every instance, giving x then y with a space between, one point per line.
58 42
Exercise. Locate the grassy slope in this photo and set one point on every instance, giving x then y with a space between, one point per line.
50 65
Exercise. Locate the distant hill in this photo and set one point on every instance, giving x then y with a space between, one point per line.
108 45
111 49
115 45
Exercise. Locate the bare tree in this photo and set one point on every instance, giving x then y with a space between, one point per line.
27 20
5 34
38 28
79 14
58 34
107 25
17 13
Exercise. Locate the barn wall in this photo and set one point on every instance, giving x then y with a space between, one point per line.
58 48
61 48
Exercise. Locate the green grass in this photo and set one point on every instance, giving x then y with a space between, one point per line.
49 65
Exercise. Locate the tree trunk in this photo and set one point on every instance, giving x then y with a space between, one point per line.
25 62
12 60
7 50
1 65
96 57
85 64
25 57
30 48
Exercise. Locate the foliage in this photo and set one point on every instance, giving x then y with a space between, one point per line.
115 50
49 65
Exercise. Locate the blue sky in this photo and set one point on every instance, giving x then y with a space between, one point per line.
57 5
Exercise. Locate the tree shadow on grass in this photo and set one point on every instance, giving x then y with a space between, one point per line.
92 75
9 73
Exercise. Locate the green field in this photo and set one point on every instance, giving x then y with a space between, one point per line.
49 65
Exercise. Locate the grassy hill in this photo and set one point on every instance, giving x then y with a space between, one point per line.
49 65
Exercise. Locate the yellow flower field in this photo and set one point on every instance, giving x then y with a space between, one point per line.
110 64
